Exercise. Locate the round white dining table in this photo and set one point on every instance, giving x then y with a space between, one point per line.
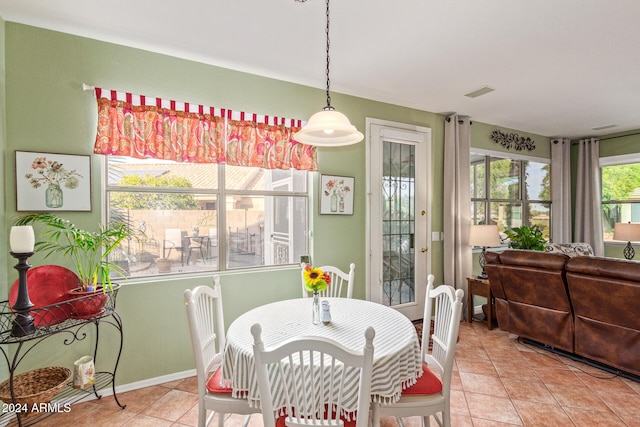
396 358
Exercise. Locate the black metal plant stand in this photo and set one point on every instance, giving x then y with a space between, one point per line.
57 319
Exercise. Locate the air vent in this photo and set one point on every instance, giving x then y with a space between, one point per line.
479 92
604 127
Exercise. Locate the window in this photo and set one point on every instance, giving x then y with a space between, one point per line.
620 192
204 217
510 192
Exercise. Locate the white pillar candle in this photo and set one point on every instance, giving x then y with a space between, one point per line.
22 239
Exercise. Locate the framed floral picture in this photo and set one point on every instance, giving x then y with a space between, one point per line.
336 195
52 182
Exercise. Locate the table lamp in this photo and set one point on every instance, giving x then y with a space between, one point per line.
626 231
484 236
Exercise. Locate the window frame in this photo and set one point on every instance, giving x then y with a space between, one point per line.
522 201
220 193
618 160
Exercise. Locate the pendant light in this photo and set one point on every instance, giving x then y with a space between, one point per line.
328 128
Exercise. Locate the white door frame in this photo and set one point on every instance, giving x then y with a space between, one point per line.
376 130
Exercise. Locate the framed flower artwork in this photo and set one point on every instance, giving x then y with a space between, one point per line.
52 182
336 195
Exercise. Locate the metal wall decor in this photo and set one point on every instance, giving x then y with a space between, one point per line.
512 140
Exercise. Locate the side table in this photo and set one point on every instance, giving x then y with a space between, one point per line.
481 288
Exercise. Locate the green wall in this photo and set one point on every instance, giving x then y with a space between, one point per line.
481 138
4 249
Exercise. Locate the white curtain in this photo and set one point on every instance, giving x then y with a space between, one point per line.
561 190
588 226
457 202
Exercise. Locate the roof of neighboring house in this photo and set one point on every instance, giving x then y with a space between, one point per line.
200 175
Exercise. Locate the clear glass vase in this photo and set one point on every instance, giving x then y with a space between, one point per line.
53 196
315 313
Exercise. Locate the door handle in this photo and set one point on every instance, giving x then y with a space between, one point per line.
424 249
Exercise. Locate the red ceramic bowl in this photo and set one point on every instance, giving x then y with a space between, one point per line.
47 285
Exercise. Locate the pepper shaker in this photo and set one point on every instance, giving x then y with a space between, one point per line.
325 314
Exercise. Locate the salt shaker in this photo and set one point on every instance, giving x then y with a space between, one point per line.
325 314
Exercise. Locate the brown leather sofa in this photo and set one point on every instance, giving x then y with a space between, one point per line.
586 306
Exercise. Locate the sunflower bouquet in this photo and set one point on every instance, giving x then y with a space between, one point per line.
315 279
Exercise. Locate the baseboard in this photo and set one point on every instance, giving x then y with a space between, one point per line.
142 384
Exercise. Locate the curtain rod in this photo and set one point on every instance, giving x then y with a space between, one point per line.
611 137
448 119
620 136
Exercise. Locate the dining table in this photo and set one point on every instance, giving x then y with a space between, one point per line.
396 358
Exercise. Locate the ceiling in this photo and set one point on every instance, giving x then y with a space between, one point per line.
559 68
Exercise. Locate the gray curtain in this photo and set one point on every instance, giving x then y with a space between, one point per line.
561 190
457 202
588 225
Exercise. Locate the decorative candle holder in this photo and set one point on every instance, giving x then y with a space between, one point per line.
22 325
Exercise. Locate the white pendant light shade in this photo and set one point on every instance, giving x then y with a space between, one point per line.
328 128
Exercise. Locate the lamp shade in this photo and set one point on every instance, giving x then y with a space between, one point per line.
244 203
626 232
328 128
484 235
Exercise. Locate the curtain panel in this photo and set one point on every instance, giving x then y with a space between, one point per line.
457 202
561 190
588 226
150 132
153 131
267 146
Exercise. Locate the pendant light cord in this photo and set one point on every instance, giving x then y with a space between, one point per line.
328 107
326 31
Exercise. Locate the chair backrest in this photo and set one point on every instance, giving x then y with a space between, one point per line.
339 281
173 238
213 236
444 305
206 325
320 377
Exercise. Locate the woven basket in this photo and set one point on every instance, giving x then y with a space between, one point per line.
37 386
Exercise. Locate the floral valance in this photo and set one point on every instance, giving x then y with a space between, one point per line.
207 135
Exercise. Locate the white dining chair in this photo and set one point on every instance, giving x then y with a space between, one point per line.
206 325
430 395
296 370
339 281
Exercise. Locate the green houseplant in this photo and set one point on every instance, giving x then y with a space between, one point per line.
89 250
526 237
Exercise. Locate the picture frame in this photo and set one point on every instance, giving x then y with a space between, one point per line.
336 195
52 182
306 259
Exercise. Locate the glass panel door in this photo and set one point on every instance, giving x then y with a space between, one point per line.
398 218
398 223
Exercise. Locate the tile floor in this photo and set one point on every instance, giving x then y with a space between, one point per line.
498 382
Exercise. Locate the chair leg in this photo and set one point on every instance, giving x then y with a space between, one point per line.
375 415
202 415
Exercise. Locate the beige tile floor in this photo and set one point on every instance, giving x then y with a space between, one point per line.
497 382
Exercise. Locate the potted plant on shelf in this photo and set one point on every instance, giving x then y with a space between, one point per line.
89 251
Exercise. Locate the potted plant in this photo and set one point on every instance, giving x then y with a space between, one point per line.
526 237
89 251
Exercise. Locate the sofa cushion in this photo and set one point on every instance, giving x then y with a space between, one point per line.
570 249
538 303
605 294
